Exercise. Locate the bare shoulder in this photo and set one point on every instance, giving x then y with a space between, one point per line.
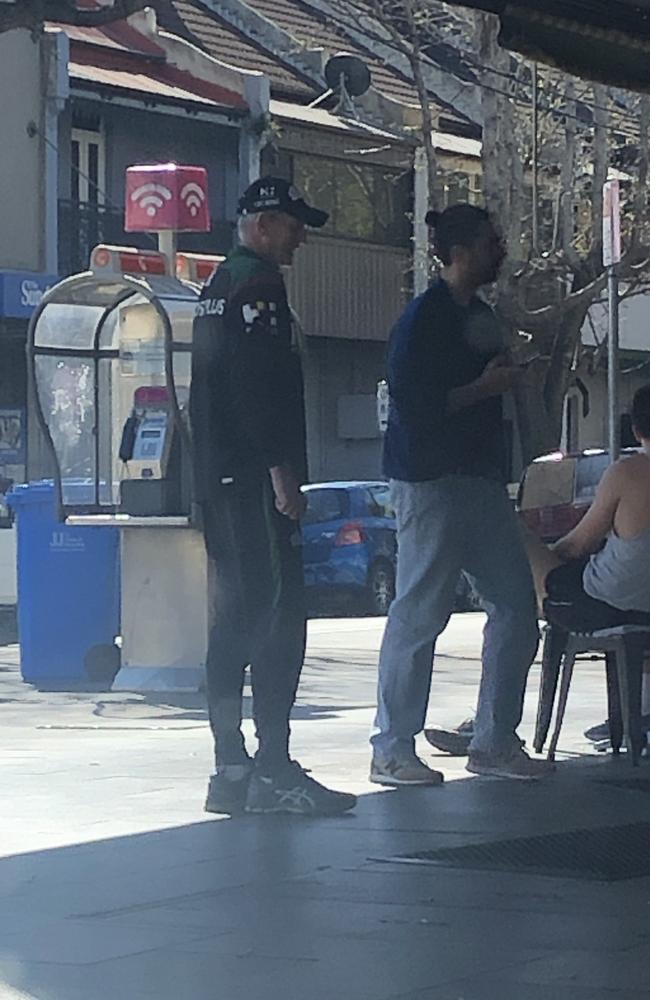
617 477
628 471
633 466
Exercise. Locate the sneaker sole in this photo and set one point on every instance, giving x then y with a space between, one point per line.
288 811
231 809
485 771
380 779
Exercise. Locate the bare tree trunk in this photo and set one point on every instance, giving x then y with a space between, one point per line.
641 193
540 396
601 165
559 375
538 434
494 152
567 174
514 164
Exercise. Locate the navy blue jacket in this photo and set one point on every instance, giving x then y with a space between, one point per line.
435 346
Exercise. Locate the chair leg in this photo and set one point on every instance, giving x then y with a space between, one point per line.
567 674
613 704
630 678
555 640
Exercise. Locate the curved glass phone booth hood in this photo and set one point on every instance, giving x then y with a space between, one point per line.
101 350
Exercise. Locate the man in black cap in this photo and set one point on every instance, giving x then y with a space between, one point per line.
248 427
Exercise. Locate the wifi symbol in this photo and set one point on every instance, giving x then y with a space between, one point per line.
193 195
151 197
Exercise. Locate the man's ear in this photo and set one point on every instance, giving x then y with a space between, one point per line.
637 435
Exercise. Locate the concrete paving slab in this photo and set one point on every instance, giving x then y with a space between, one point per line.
113 882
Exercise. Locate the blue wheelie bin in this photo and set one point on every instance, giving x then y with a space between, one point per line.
68 591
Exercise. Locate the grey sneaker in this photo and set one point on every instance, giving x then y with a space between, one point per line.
228 789
412 771
517 765
598 734
455 742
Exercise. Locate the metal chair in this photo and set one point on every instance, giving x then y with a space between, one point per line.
624 647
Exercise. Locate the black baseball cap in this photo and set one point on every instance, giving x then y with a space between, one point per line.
275 194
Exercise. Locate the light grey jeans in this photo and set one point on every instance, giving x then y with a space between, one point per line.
444 526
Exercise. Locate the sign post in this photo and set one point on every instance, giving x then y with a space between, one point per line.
611 257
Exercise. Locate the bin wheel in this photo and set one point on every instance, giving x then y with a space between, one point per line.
102 662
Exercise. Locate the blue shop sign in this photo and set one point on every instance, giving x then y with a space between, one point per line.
21 292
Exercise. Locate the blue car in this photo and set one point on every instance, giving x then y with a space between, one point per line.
349 547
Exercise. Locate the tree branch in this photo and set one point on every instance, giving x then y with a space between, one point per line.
567 174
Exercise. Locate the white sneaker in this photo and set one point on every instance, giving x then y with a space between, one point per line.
516 765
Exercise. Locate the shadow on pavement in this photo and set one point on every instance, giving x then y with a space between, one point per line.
192 707
291 909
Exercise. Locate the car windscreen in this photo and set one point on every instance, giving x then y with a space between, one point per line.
325 505
589 472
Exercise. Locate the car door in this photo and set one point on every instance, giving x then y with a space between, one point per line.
327 510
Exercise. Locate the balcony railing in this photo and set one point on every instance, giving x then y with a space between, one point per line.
82 226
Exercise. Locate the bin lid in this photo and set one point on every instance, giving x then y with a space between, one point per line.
76 491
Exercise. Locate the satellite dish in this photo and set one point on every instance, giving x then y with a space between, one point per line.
351 71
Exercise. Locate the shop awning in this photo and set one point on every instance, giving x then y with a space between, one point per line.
604 40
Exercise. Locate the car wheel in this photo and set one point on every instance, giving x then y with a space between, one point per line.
381 588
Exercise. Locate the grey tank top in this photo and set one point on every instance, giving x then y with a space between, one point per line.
620 573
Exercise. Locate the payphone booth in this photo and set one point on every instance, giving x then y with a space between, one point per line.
110 360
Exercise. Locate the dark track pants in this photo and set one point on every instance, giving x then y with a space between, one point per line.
571 608
259 620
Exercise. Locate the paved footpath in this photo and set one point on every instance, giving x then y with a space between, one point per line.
115 884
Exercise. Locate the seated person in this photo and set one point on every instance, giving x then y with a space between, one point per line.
598 575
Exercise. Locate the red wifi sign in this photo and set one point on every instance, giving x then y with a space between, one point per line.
166 196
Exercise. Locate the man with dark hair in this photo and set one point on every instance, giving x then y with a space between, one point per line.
248 430
445 455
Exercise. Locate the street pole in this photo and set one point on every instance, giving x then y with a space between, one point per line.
612 366
535 156
611 258
168 244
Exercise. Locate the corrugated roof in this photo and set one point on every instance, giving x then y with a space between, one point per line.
129 70
448 143
120 35
325 119
93 36
140 82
